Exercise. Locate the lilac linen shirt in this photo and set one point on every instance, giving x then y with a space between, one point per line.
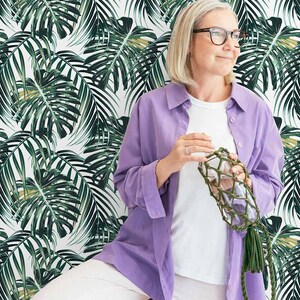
142 249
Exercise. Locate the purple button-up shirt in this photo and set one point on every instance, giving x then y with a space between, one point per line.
142 249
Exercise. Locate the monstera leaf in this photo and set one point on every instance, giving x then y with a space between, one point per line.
14 251
49 100
115 56
45 17
103 151
262 59
96 204
96 104
49 202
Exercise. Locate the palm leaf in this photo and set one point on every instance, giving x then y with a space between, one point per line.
48 201
12 260
3 137
283 240
262 59
104 150
13 152
288 94
49 100
289 200
95 103
171 9
51 264
96 243
290 9
13 66
114 57
143 9
27 288
96 205
61 15
149 71
290 138
93 19
5 11
248 11
290 286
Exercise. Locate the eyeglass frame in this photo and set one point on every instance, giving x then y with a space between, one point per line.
210 30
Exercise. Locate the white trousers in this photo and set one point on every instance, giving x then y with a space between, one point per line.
96 280
92 280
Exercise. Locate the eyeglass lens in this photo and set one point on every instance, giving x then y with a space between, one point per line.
219 36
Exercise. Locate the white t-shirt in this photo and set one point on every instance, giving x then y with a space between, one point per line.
199 234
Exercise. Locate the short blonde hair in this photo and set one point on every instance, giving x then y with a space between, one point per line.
178 64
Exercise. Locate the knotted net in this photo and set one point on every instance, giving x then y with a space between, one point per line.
239 210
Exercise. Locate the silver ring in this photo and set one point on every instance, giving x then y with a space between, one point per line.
187 151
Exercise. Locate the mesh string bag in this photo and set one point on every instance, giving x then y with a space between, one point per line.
239 210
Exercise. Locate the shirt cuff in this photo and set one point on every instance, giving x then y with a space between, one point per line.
151 193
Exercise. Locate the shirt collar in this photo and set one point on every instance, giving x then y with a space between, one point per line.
177 94
240 95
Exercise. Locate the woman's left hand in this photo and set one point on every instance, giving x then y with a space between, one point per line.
239 171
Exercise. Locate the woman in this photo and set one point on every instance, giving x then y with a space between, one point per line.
174 244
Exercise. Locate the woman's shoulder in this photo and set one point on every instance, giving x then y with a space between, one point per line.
248 98
162 94
158 92
162 91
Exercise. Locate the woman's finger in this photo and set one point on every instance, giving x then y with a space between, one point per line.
233 156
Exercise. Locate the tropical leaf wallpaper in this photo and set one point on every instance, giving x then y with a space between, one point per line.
70 72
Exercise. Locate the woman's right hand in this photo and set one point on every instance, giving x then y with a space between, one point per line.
182 152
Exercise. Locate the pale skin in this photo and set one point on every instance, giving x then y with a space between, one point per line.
215 62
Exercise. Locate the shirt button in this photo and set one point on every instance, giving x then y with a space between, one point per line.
240 145
232 119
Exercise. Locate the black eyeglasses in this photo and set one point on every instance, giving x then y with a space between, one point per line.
219 35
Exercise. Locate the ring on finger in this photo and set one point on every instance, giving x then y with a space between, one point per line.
186 151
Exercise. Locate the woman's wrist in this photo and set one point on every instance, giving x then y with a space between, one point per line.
162 172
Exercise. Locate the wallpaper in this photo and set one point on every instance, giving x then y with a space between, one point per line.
70 73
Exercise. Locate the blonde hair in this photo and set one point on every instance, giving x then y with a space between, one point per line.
178 64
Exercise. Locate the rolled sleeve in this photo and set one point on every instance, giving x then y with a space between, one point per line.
151 195
135 176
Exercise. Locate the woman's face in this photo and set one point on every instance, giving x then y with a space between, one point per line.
207 58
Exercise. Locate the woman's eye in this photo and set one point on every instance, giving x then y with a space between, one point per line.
236 35
217 33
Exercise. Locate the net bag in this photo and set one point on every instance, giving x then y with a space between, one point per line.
239 210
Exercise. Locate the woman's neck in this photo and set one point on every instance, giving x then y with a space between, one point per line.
210 90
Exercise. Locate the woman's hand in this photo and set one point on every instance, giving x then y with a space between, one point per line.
239 171
184 150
